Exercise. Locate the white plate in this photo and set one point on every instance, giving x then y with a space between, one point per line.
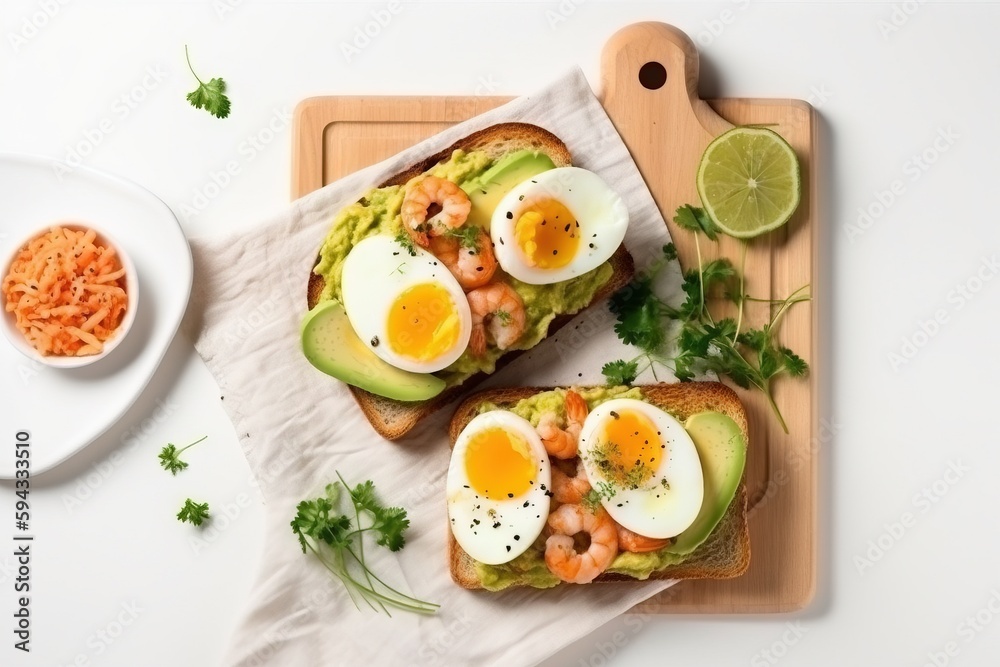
65 410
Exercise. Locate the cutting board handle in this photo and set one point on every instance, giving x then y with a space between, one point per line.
651 68
649 87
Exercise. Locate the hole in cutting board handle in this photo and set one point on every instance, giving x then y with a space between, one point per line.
652 75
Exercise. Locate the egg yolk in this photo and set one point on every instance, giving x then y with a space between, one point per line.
499 464
423 322
631 449
548 234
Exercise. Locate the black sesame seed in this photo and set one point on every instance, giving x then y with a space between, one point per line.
479 268
508 547
555 252
521 198
374 341
615 414
591 245
566 228
510 215
525 504
475 521
517 537
501 240
510 495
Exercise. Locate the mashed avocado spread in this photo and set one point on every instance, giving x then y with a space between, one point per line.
378 212
529 568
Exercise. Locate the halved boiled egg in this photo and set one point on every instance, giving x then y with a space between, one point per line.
644 465
557 225
405 305
498 487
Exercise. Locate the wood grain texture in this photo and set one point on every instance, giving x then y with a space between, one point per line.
666 131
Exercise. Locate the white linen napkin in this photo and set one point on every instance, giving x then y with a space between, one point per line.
298 426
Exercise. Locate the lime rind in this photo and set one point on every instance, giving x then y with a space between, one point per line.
749 181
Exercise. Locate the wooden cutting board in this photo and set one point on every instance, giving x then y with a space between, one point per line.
649 77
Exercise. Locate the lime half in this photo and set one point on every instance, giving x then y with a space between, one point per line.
749 181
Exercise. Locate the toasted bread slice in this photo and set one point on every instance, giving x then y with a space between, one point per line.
393 419
726 552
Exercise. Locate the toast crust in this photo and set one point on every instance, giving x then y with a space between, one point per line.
393 419
726 552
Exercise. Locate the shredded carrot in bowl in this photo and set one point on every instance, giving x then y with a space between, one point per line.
67 292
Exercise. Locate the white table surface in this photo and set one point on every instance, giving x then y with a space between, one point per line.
117 581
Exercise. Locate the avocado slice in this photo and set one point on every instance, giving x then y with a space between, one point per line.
488 189
330 344
723 451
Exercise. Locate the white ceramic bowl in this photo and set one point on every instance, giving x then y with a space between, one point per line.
17 339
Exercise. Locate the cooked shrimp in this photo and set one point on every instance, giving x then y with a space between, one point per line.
424 192
497 312
469 256
561 442
561 556
570 490
639 544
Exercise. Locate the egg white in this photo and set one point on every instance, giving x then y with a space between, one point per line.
601 212
375 272
652 510
506 527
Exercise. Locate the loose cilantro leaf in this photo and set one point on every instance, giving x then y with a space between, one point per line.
170 457
639 312
337 541
210 96
388 522
696 220
620 372
192 512
794 364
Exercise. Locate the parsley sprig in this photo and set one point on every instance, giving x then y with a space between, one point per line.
194 513
337 539
750 358
170 456
210 96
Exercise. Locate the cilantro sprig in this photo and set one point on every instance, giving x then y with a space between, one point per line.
170 456
337 539
749 358
194 513
210 96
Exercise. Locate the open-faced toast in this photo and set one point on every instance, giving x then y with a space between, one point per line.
394 418
726 551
